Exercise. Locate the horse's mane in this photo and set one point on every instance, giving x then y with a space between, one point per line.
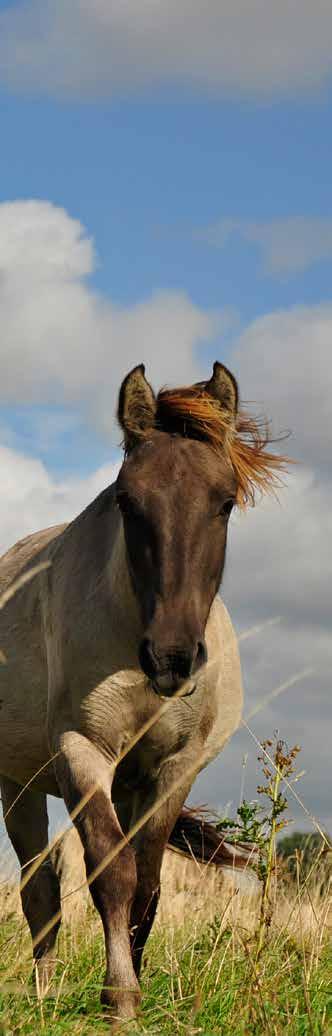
195 413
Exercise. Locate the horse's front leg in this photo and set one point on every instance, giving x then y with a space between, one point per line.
150 844
81 769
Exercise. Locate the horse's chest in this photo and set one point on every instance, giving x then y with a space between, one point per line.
146 759
125 721
165 739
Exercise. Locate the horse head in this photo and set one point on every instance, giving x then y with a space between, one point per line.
181 476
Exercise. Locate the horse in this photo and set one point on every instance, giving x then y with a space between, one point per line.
122 676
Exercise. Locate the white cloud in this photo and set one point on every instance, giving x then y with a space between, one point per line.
35 500
280 551
86 48
284 362
40 241
60 341
63 343
287 246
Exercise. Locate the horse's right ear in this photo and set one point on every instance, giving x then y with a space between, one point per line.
137 406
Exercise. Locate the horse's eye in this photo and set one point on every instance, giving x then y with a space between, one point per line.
128 507
227 507
124 503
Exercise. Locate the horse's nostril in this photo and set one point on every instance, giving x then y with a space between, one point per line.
201 654
147 658
172 665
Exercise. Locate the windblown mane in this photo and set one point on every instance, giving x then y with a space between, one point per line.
194 413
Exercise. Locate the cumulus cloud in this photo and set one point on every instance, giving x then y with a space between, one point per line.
275 549
287 246
39 241
60 341
284 362
63 343
91 49
35 500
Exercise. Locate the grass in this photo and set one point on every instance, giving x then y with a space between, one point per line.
230 954
201 975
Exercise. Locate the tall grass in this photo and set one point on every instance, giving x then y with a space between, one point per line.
200 973
230 954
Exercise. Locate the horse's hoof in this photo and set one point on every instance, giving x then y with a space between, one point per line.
43 975
121 1009
122 1028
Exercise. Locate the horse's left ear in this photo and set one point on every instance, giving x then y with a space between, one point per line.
137 406
223 387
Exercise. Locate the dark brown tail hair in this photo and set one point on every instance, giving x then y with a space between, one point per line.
195 836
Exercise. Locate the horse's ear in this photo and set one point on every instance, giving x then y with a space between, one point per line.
137 406
223 387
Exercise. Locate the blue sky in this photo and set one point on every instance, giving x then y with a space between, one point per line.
145 177
199 177
142 174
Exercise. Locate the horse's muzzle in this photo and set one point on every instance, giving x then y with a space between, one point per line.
167 691
168 671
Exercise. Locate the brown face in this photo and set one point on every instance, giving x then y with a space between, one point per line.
175 496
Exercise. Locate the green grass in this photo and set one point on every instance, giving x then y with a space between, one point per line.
193 982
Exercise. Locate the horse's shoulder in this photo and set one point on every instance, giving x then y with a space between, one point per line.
220 621
223 681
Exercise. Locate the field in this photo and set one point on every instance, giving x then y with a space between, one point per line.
201 974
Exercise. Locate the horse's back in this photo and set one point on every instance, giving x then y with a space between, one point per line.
23 671
24 552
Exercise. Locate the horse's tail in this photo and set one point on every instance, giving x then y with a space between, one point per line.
197 837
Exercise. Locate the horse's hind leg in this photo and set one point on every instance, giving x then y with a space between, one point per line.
27 825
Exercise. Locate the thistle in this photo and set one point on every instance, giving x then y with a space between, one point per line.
276 765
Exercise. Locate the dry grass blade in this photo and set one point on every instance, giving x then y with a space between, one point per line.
21 581
150 812
109 857
253 630
114 852
190 771
28 783
303 674
43 855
